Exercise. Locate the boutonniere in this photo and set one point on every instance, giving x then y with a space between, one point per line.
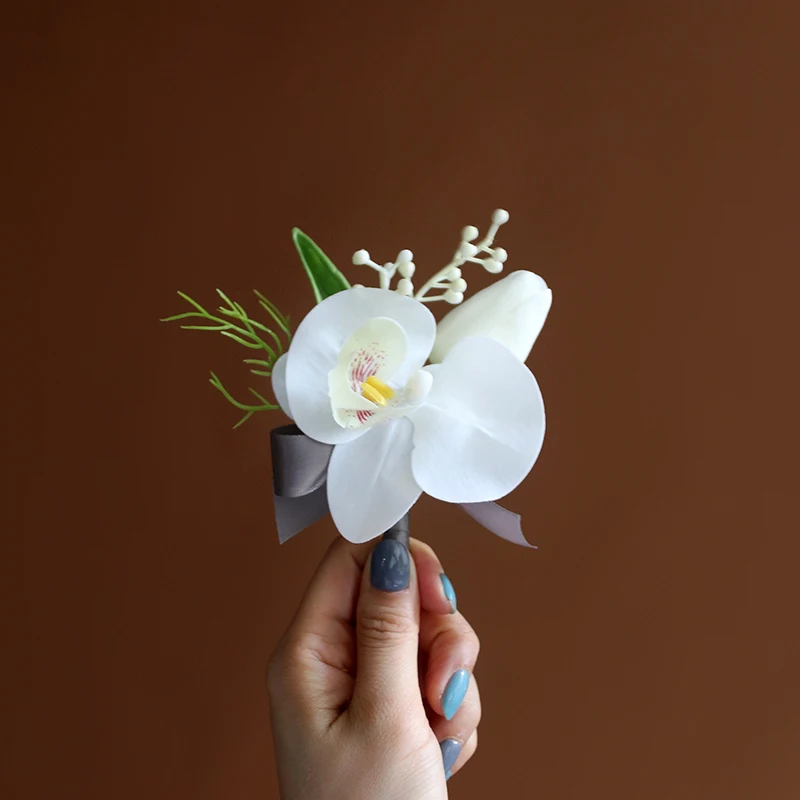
385 403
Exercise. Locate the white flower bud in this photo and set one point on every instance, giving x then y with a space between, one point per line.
360 257
511 311
500 255
500 216
467 250
490 265
407 269
453 274
459 285
404 257
469 233
453 298
405 287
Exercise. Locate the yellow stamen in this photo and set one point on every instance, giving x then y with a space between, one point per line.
377 383
372 394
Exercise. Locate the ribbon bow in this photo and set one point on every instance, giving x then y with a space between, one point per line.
299 476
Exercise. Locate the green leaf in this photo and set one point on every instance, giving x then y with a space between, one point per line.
324 276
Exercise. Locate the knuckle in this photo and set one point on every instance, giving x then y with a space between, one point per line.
382 714
389 718
468 638
473 642
460 639
385 625
477 713
403 727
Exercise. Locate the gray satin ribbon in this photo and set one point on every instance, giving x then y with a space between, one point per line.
299 474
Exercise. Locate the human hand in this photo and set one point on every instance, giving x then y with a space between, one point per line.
371 688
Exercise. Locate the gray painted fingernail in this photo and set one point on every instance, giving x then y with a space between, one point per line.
450 750
449 592
454 693
390 567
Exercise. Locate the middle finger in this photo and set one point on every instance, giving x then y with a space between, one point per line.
451 647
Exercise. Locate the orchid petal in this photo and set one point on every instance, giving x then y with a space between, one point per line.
279 385
370 483
481 428
319 340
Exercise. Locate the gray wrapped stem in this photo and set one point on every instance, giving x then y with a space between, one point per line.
400 530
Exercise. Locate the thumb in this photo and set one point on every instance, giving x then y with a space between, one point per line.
387 631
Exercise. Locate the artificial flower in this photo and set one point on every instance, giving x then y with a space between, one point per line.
466 430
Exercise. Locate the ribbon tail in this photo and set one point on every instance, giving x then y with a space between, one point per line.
295 514
500 521
299 480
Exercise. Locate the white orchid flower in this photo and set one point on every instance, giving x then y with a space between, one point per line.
511 311
467 430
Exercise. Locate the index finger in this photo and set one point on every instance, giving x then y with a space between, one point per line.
436 593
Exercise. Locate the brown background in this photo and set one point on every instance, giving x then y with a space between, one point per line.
648 155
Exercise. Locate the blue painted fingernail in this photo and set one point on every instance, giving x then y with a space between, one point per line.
391 566
454 693
449 592
450 750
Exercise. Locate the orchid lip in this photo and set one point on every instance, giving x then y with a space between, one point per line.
386 401
368 384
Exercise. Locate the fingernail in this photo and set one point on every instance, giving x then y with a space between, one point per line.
454 693
449 592
450 750
390 567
